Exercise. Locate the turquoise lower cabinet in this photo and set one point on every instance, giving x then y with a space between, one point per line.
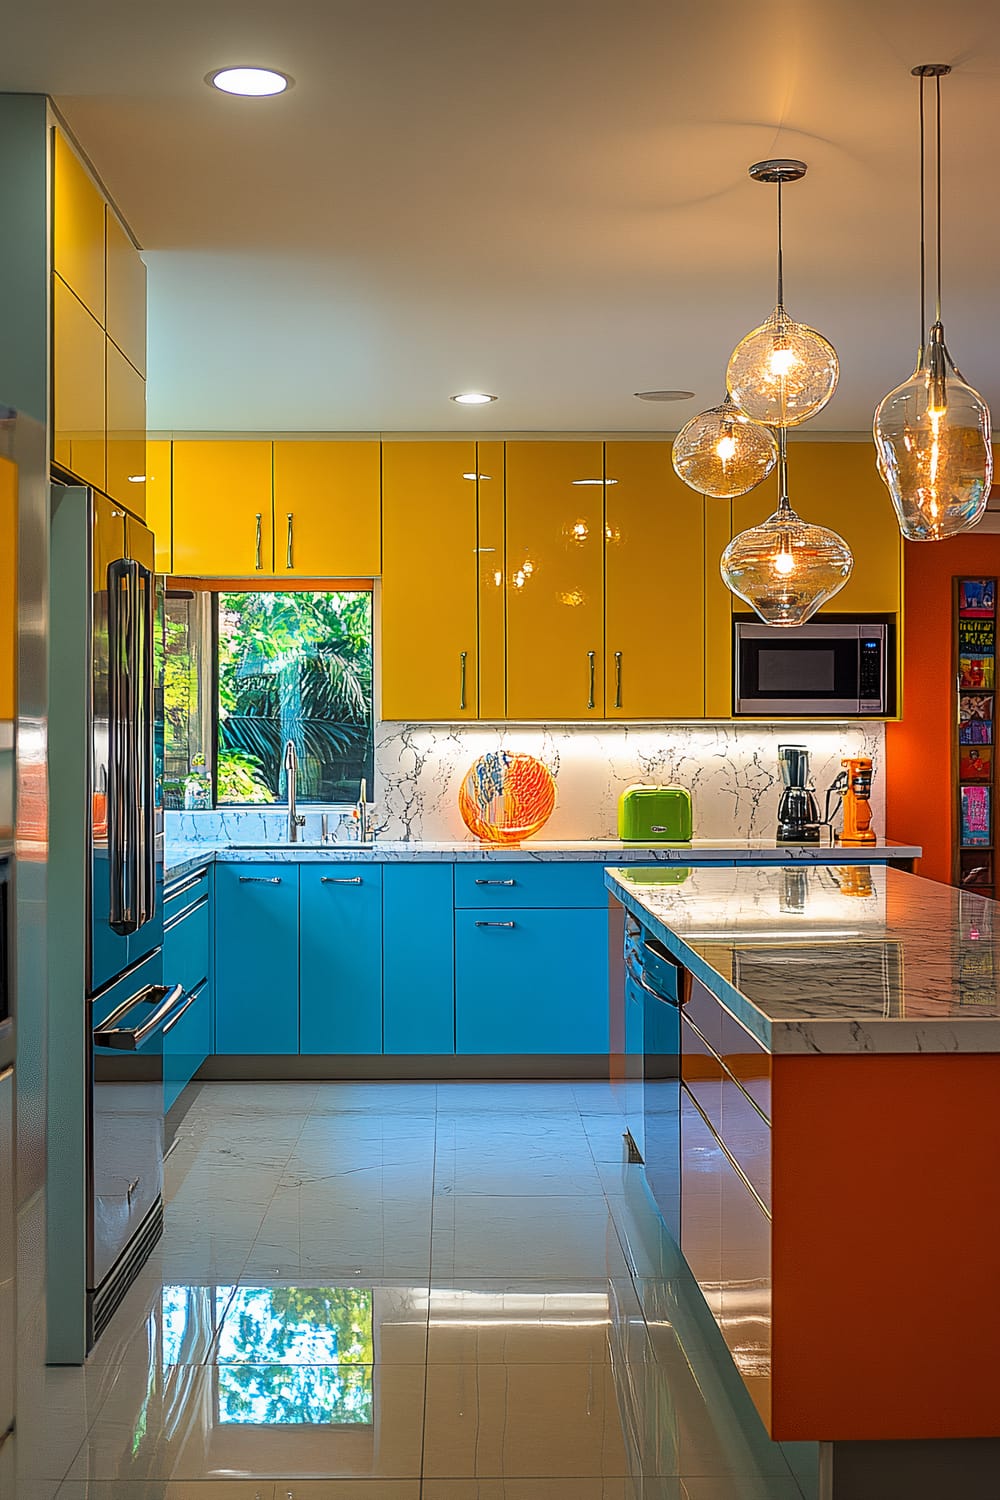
556 882
418 980
257 959
340 955
187 961
531 980
186 1044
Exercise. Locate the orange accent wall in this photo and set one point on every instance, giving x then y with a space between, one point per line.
919 792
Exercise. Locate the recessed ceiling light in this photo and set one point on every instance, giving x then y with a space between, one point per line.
473 398
253 82
137 479
664 395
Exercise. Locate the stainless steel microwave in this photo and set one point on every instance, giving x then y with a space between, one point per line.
827 668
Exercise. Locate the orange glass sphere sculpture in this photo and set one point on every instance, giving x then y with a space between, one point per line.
506 797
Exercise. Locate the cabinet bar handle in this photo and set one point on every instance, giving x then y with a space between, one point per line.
591 657
260 535
496 882
462 656
288 543
618 679
340 880
260 880
495 924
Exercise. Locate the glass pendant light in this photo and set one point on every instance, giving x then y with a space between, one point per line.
932 433
783 372
786 568
721 453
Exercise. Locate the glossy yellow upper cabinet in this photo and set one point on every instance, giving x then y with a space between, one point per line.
719 604
78 387
158 517
126 290
8 601
126 432
222 509
492 603
77 227
837 485
326 510
555 580
430 578
654 607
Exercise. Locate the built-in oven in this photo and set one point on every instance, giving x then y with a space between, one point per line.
835 666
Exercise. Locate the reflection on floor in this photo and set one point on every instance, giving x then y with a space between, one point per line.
406 1292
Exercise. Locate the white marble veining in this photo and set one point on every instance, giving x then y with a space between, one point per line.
185 855
834 959
730 769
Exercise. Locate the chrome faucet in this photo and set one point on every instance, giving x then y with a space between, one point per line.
295 820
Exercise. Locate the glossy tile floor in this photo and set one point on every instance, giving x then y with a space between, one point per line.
406 1292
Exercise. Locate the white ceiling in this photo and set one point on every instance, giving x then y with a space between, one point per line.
547 199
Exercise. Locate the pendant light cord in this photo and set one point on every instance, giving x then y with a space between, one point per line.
781 275
937 147
923 232
783 501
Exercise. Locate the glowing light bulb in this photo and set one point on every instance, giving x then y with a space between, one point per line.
784 562
726 447
782 361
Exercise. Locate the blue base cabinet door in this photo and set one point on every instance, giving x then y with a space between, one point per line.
531 981
419 958
340 953
257 970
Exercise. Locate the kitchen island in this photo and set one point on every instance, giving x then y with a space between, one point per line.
839 1200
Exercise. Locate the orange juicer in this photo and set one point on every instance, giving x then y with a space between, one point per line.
857 827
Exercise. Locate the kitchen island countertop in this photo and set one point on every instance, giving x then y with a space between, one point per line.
838 959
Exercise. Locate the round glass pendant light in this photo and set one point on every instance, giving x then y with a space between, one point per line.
783 372
932 433
786 568
721 453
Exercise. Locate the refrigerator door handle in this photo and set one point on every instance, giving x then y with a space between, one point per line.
123 812
145 788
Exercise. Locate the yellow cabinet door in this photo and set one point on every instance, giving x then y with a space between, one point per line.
719 603
78 387
126 432
126 293
326 510
555 580
836 485
492 604
8 603
430 576
654 587
222 509
158 518
77 227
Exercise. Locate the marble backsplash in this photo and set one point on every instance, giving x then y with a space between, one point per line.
730 769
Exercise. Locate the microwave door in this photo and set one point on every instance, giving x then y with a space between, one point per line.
789 673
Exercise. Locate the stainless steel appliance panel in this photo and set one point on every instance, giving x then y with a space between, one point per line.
8 1251
823 669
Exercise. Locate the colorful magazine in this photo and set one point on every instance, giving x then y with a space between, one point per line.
976 598
975 814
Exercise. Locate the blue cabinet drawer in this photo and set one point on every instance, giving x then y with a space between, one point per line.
257 959
340 955
186 1044
552 883
531 981
186 944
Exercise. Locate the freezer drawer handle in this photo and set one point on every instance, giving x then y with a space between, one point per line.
132 1037
496 882
340 880
260 880
495 924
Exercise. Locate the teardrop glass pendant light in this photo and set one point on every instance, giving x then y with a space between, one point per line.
721 453
932 433
783 372
786 568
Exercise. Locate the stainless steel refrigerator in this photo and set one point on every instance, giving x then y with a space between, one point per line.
105 630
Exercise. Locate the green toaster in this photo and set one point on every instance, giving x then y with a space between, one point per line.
654 815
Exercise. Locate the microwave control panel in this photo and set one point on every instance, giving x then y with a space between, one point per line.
870 674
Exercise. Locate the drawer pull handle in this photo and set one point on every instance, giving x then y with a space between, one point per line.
171 892
496 882
257 545
288 544
463 658
495 924
592 658
340 880
260 880
618 679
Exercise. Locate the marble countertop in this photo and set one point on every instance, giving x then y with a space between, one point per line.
182 857
834 959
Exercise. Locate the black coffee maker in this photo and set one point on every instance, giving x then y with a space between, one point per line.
798 810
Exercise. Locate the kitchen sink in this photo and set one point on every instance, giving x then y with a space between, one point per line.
310 844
